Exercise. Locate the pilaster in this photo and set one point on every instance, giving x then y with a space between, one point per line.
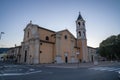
58 49
72 51
36 51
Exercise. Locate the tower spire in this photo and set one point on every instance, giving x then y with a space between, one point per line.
79 13
79 17
30 21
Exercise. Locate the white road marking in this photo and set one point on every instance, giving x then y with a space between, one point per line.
106 69
11 74
63 67
32 72
31 69
17 74
13 70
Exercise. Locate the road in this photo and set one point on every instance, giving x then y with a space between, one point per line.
53 73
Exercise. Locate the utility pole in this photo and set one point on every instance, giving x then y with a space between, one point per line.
1 35
2 69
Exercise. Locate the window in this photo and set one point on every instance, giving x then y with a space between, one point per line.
83 24
79 33
40 43
28 34
79 23
84 33
47 38
40 51
12 51
65 36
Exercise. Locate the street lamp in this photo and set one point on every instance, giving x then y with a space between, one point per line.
0 39
1 34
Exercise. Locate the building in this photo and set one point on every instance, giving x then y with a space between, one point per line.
41 45
92 53
14 54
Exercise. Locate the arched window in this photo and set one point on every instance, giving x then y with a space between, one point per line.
65 36
79 33
47 38
79 23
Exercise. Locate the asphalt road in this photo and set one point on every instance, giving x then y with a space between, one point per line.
52 73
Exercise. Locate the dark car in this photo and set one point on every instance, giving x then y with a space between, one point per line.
119 75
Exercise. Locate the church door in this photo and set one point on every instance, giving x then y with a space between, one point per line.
66 57
92 58
25 58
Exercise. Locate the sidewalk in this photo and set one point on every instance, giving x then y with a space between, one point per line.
82 65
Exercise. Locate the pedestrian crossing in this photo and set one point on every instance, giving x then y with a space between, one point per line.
114 69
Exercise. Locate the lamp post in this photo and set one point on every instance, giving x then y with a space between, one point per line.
1 34
2 65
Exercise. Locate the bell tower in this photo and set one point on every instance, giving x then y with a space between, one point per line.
80 28
81 39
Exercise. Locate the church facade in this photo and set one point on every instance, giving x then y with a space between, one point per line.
41 45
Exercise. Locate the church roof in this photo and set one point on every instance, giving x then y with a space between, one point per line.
30 24
67 31
79 17
45 29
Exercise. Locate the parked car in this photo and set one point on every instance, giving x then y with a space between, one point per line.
119 75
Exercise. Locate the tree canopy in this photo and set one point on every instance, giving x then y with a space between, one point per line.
110 48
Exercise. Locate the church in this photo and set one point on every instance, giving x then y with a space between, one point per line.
41 45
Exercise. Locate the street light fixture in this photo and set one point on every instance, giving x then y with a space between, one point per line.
1 34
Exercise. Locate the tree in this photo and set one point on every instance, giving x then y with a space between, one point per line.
110 48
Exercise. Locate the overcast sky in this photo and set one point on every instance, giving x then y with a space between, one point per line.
102 18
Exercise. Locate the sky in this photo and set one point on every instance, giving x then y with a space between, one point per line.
102 18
